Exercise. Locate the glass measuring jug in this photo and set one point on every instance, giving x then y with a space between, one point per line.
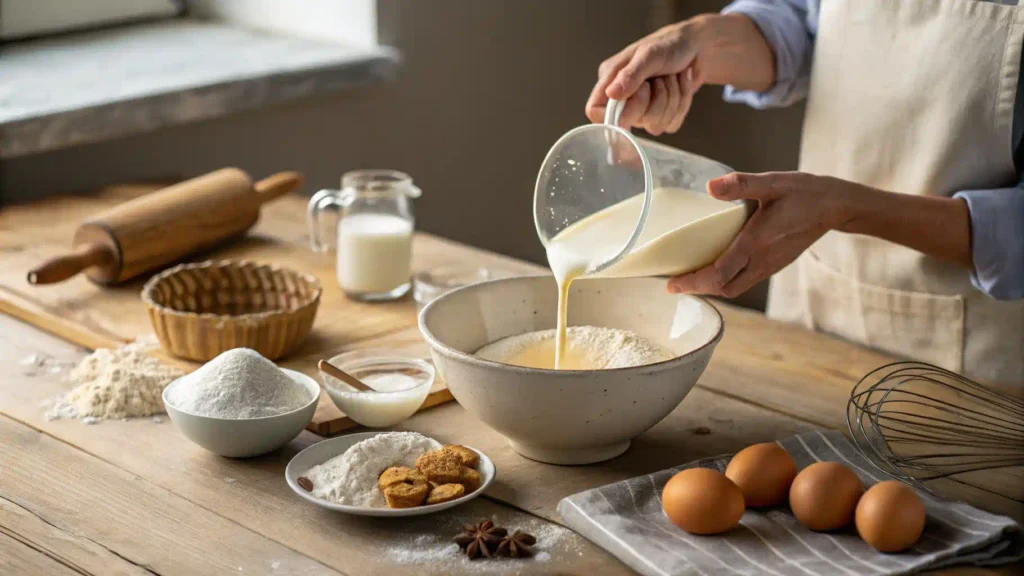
373 234
622 206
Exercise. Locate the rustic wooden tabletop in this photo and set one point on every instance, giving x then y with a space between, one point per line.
135 497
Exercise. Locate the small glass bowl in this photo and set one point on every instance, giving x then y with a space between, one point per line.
430 284
379 409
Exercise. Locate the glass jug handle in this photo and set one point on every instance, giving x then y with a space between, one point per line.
318 204
613 112
612 115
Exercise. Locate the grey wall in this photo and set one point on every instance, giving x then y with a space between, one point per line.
485 89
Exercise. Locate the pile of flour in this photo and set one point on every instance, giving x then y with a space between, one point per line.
123 382
351 478
238 384
605 348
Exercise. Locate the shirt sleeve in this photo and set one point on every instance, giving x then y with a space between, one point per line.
789 26
997 240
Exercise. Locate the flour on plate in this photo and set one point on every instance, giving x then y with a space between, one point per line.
351 478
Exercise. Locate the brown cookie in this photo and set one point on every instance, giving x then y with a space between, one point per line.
440 466
400 474
446 493
470 479
406 495
468 457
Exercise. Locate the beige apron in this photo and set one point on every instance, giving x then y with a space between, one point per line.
917 97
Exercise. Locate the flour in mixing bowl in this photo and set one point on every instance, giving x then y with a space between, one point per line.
238 384
587 348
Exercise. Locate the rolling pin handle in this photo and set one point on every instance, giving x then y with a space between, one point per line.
277 185
63 267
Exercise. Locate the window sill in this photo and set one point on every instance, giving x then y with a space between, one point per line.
61 92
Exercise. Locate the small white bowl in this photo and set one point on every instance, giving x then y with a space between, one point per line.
379 409
323 451
243 438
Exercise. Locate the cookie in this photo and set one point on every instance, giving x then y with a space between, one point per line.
446 493
399 474
440 466
468 457
469 478
406 495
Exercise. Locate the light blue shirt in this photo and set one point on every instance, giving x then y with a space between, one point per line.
997 215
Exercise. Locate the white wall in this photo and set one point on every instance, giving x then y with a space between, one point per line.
352 22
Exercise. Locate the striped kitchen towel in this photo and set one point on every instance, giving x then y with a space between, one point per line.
625 518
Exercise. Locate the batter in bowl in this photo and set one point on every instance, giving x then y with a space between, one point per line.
586 348
599 237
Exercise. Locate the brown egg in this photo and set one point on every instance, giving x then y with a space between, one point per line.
702 501
763 472
824 496
890 516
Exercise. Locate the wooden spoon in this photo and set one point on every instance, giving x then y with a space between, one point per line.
332 370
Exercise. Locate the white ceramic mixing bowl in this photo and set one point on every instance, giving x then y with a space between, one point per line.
569 417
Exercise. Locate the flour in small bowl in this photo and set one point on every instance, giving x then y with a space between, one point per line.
351 478
587 348
236 385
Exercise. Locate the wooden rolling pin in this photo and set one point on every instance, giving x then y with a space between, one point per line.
165 226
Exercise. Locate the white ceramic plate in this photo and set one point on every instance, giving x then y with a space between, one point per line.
324 451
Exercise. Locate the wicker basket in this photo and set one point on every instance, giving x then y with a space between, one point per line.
200 310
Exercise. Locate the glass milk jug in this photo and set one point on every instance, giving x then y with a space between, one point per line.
373 234
614 205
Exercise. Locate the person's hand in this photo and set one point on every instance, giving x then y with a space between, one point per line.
657 76
794 210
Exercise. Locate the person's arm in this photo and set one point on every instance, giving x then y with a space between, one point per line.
937 226
659 74
759 49
997 240
795 209
789 27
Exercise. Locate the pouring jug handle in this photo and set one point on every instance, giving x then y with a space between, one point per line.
613 112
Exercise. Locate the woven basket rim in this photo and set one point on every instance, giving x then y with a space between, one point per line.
149 287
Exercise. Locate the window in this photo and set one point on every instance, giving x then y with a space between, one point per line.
20 19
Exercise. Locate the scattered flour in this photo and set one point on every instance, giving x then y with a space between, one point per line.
123 382
238 384
605 348
35 363
427 543
351 478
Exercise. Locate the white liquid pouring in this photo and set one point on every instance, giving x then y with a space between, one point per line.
685 231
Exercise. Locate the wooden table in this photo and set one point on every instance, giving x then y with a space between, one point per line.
135 497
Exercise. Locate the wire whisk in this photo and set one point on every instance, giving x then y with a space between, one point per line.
921 423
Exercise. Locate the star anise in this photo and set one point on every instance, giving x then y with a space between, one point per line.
516 545
480 540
